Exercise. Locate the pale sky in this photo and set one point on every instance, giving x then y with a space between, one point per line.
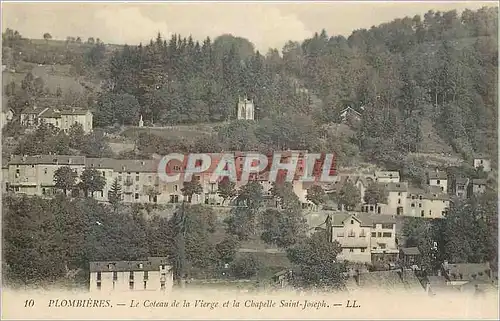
266 25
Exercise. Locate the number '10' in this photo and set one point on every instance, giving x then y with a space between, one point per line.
29 303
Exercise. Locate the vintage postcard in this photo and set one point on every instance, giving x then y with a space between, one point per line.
250 160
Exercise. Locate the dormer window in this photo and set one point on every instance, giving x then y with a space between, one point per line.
140 265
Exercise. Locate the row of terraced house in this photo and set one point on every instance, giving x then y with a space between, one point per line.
140 183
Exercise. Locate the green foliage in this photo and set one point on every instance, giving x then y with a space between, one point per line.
226 189
45 238
376 193
91 181
241 222
251 195
316 194
468 234
65 178
49 139
117 108
246 267
115 193
190 188
349 196
316 259
227 248
283 228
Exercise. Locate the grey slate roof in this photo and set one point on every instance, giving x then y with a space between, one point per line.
151 264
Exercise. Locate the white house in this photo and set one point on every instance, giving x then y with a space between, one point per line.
153 274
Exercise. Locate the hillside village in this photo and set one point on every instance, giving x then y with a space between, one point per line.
415 183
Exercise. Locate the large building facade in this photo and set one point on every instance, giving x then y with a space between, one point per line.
60 118
363 236
153 274
139 180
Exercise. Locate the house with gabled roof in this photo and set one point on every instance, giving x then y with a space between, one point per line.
364 237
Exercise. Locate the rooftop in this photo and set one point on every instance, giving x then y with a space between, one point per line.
151 264
47 159
387 174
468 271
365 219
437 175
479 181
410 251
396 187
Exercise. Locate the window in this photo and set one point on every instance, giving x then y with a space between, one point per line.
45 171
374 234
371 208
420 197
387 226
176 188
352 221
419 204
399 193
382 245
413 197
162 285
98 276
145 285
362 250
430 213
379 234
374 225
340 234
136 196
137 178
351 250
412 204
351 234
146 275
115 276
399 201
438 182
103 174
140 265
422 213
43 191
387 234
98 285
131 285
131 277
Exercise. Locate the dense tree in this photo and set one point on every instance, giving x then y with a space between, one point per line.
316 194
246 267
226 189
317 270
65 178
227 248
349 196
91 181
375 194
115 193
251 195
191 188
